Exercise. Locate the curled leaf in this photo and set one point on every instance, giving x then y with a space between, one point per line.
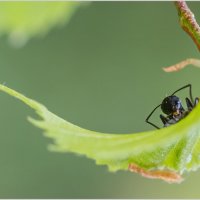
164 154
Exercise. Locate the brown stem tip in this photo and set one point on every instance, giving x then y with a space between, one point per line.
168 176
181 65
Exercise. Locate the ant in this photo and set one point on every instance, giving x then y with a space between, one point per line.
172 107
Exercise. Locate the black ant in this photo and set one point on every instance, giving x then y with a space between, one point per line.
173 108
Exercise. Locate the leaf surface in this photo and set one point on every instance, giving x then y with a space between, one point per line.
165 154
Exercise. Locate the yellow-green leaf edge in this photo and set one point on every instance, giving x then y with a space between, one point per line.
175 148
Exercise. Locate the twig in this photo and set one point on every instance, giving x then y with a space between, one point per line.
182 64
188 21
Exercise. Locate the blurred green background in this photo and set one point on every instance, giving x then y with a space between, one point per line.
101 71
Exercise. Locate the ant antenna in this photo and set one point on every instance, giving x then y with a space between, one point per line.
190 91
150 116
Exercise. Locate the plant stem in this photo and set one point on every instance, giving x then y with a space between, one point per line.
182 64
188 21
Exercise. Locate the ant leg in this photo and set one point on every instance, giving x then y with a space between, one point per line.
196 101
189 104
150 116
163 119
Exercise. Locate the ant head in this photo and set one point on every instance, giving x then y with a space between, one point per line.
171 104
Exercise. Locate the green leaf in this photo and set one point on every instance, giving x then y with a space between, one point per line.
23 20
166 153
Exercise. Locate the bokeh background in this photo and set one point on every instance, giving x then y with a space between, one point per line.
102 71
